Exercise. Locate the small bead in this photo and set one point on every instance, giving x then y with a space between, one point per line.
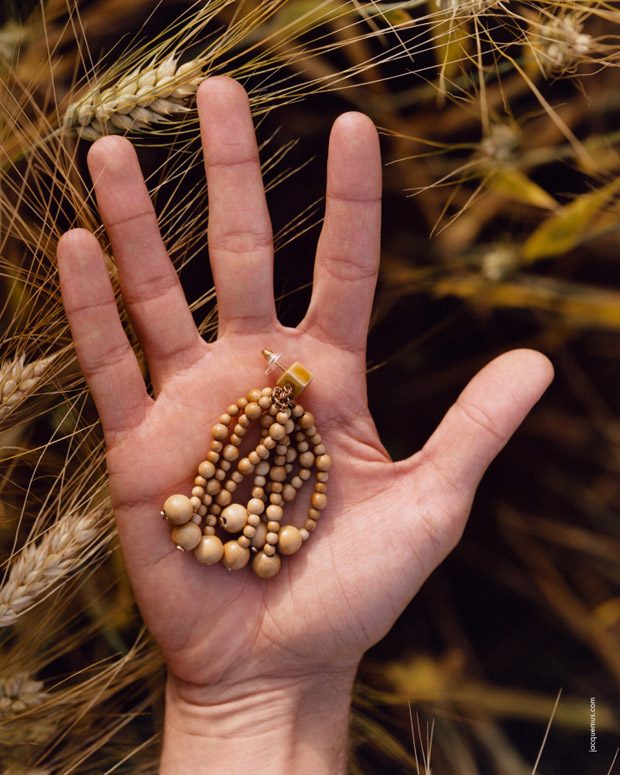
254 394
249 531
242 402
291 454
202 510
254 520
186 536
303 446
254 457
230 486
264 402
273 527
266 421
305 535
215 510
262 469
210 549
196 519
296 482
258 492
300 437
274 512
235 440
212 457
276 487
320 487
273 410
323 462
198 492
224 465
266 391
234 518
289 493
306 421
319 449
322 476
279 460
306 459
277 474
298 410
243 541
225 419
314 513
216 446
269 442
282 417
289 426
289 539
219 431
244 466
196 503
236 477
269 550
305 474
230 452
239 430
220 475
281 449
310 525
244 421
224 498
258 541
209 531
211 520
266 566
200 481
213 487
206 469
253 411
271 538
310 432
275 498
235 556
178 509
256 506
233 410
260 481
315 439
262 451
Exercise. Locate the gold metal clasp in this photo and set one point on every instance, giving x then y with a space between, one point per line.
296 375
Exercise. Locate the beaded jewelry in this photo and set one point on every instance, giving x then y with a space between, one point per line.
288 450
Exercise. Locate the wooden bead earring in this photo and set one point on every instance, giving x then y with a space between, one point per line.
290 449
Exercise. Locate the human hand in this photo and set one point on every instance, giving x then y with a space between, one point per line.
230 637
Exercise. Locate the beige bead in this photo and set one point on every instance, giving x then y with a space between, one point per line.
296 482
305 535
254 395
260 481
258 541
224 465
256 506
254 520
212 457
291 454
196 502
298 410
277 474
253 411
239 430
236 477
275 498
244 541
306 459
266 421
289 426
282 417
235 556
306 421
225 419
244 421
276 487
209 531
322 476
264 402
200 481
258 492
235 440
265 566
269 442
242 402
202 510
262 451
274 512
262 469
244 466
266 391
186 536
249 531
178 509
319 500
323 462
233 410
210 549
196 519
303 446
234 518
289 493
273 526
310 525
215 509
254 457
289 539
320 487
198 492
314 513
319 449
271 538
304 473
230 452
269 550
219 432
223 498
315 439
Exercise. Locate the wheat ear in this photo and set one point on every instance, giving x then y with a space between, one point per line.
138 101
17 380
18 693
66 546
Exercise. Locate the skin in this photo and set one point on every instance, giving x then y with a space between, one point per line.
243 651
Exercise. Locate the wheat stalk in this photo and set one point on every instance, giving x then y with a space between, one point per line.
18 693
18 380
139 100
43 566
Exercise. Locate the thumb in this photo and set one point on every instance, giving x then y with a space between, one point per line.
472 433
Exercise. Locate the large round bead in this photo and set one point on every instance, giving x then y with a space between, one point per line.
186 536
234 518
178 509
289 539
209 550
265 566
235 556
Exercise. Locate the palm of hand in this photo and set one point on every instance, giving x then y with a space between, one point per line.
387 524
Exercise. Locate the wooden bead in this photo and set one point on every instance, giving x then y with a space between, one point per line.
213 487
258 541
319 449
225 419
305 535
256 506
304 474
319 500
230 452
244 466
198 491
303 446
306 421
202 510
234 518
178 509
264 402
262 468
260 481
258 492
212 457
235 556
242 402
262 451
266 566
209 531
186 536
235 440
271 538
269 550
233 410
275 498
249 531
244 421
195 502
310 525
298 410
274 512
219 432
210 549
253 411
269 442
322 476
306 459
289 493
239 430
282 417
266 391
320 487
276 487
236 477
254 520
323 462
254 395
243 541
254 457
277 474
314 513
289 539
273 526
223 498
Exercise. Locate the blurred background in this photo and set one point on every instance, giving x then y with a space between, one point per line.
500 131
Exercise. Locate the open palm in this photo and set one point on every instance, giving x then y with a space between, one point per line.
387 525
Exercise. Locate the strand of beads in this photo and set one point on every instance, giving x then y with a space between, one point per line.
288 449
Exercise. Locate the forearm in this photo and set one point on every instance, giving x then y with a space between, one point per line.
288 726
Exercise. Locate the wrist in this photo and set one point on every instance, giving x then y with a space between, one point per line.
273 726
